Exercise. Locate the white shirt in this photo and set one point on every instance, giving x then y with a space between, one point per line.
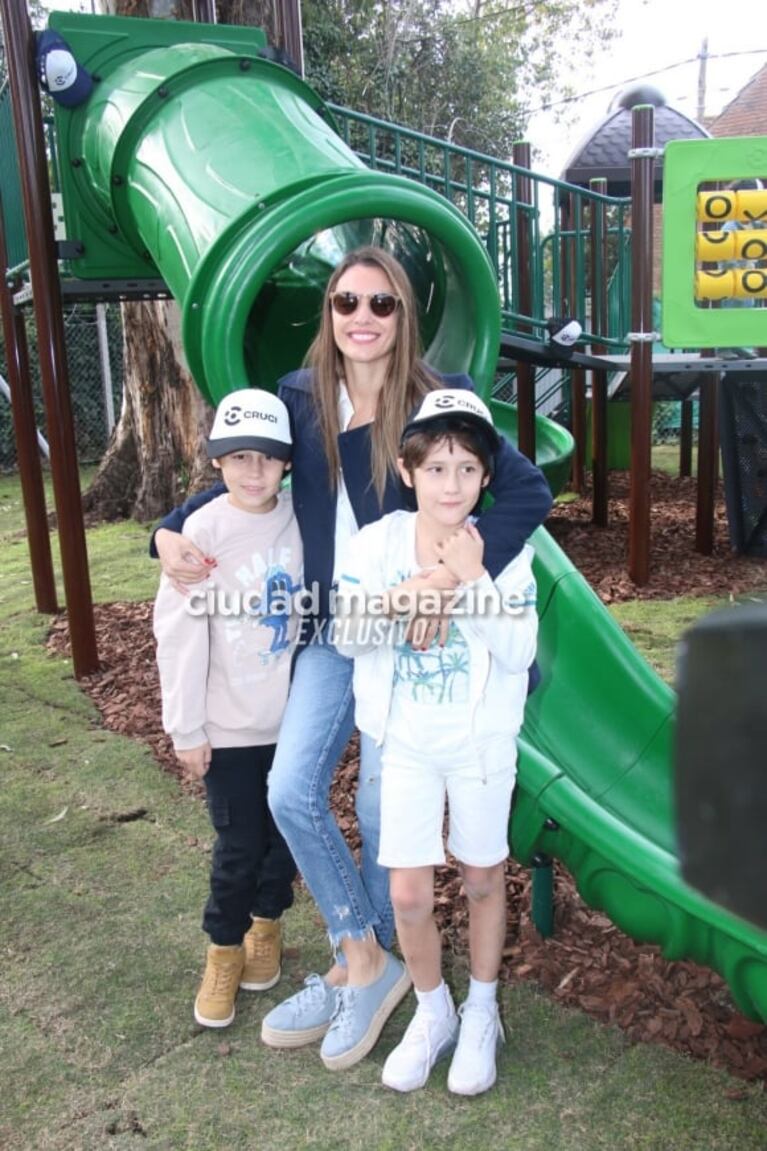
346 521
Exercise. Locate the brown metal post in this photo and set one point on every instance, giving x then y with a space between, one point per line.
580 427
525 372
642 172
685 439
27 451
708 447
33 168
577 375
599 475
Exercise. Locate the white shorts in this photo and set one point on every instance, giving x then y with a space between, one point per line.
413 797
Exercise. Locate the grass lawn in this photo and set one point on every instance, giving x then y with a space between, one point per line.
665 458
103 871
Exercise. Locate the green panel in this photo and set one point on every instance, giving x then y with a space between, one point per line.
618 436
686 165
104 44
10 186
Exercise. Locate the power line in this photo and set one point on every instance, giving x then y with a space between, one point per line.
644 76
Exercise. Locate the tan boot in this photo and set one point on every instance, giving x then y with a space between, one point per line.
263 951
214 1005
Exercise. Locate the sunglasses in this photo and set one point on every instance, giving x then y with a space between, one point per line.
381 304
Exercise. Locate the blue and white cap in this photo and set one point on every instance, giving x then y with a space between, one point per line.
445 409
59 73
251 420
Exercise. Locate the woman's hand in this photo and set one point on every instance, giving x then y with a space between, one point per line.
195 761
182 562
425 600
462 553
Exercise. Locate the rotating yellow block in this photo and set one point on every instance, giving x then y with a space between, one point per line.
745 245
717 207
748 284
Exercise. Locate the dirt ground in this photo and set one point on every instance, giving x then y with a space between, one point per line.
587 963
676 569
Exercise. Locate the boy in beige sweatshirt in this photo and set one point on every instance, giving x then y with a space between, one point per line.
224 649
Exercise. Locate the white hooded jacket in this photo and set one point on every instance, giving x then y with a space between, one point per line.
497 619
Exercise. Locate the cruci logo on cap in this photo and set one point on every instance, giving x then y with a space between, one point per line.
235 415
453 401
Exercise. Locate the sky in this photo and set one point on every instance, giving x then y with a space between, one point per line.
655 35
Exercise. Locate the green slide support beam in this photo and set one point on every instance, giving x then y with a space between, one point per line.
200 161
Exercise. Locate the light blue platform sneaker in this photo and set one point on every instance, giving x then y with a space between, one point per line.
303 1018
361 1013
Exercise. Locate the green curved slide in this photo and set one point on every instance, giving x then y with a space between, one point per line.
596 785
197 161
553 443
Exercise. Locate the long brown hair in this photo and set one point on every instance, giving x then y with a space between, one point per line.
408 378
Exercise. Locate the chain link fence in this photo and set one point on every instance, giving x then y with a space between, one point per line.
95 358
667 420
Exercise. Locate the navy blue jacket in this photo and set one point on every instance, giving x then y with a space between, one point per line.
520 492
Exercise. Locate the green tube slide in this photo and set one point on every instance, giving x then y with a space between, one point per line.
200 162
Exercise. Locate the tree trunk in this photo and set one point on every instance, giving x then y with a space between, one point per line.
157 449
156 452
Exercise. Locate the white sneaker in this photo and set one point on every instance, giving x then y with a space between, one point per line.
426 1041
473 1068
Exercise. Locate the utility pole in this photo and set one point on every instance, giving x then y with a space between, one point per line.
702 61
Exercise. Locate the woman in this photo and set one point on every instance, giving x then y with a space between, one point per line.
348 407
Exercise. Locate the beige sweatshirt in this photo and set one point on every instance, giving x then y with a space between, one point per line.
224 650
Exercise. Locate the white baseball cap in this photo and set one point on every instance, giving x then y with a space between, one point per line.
446 409
251 420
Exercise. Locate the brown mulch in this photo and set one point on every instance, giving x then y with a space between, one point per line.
676 569
587 963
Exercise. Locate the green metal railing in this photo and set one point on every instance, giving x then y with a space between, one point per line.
555 222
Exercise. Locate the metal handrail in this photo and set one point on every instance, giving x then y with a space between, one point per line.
485 189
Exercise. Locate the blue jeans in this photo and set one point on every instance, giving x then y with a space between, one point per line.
318 721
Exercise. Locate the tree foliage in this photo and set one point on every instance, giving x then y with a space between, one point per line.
469 71
38 16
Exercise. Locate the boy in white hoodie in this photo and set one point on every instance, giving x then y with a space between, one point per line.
447 712
224 650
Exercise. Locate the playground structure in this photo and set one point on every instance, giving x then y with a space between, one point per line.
157 195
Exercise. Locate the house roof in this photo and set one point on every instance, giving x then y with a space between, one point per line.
604 153
746 114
